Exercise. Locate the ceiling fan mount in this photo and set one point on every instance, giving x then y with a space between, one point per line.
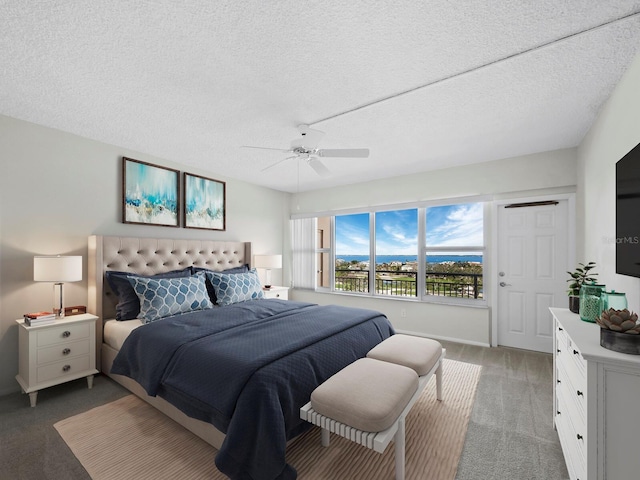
306 148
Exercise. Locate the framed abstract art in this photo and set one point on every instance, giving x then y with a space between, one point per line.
204 203
150 194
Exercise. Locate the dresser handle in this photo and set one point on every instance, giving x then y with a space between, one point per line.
576 352
66 333
66 368
579 436
558 381
559 350
560 328
579 393
66 351
558 412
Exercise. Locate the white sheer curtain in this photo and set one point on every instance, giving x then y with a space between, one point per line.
303 242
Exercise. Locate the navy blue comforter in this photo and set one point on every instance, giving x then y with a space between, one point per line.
247 368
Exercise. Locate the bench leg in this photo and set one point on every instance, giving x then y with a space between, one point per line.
439 381
399 443
324 437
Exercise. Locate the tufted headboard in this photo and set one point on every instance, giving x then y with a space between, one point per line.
148 256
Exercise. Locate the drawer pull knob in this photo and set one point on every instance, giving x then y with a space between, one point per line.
579 436
579 393
558 412
576 352
66 351
66 368
560 328
66 333
558 381
559 350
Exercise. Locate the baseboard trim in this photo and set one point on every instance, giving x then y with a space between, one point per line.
446 339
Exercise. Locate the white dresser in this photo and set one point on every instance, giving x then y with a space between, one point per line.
596 402
56 353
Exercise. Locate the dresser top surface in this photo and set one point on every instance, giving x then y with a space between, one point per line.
586 336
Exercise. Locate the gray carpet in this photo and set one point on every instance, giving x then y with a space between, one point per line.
510 434
30 448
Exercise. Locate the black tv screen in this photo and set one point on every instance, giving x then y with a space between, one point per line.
628 214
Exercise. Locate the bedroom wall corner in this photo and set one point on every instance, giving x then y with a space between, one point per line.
612 135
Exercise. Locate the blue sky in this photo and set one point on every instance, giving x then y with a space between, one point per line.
397 231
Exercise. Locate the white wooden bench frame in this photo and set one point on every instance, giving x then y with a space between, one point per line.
377 441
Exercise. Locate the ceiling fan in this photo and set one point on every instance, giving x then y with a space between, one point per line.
306 148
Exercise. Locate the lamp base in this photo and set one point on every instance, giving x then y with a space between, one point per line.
58 308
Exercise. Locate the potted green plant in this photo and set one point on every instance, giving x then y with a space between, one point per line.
581 275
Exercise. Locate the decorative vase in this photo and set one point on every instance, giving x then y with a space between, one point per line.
620 342
613 299
574 303
590 301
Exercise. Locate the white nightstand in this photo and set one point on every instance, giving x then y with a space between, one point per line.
56 353
277 292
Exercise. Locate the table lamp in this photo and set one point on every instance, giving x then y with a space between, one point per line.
268 262
57 269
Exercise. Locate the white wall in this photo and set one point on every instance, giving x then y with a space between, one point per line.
531 175
57 189
616 131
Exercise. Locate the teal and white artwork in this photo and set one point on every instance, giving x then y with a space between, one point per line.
204 203
151 194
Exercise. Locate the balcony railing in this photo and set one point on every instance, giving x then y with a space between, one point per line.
461 285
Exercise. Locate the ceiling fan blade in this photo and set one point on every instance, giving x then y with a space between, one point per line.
344 152
277 163
318 166
310 138
266 148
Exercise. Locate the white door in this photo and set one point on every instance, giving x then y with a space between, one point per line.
533 255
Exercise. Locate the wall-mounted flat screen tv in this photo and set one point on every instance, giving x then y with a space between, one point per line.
628 214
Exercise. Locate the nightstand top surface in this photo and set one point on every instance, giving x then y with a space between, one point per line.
83 317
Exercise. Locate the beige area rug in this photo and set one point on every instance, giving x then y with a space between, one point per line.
130 439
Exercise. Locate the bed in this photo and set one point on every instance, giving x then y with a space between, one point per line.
235 375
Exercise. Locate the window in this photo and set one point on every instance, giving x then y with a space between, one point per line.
396 265
427 252
352 247
454 248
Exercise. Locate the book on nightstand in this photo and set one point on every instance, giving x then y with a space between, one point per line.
39 318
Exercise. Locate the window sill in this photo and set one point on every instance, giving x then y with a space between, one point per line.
450 301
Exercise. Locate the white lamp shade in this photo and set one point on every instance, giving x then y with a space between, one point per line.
268 261
57 268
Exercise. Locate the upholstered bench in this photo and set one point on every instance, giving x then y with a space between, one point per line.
367 401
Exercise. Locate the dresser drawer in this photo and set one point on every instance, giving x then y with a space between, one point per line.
572 386
62 351
569 356
573 446
64 368
63 333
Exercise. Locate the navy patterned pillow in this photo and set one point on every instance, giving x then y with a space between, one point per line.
237 287
212 293
128 306
165 297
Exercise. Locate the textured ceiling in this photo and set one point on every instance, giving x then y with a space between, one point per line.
423 85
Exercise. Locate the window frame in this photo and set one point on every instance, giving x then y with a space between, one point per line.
421 295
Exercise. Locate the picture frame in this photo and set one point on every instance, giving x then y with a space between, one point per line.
204 203
150 194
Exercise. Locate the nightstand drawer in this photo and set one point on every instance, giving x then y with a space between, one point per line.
63 333
277 292
60 352
64 368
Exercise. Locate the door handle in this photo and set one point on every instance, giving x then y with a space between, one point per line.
503 284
